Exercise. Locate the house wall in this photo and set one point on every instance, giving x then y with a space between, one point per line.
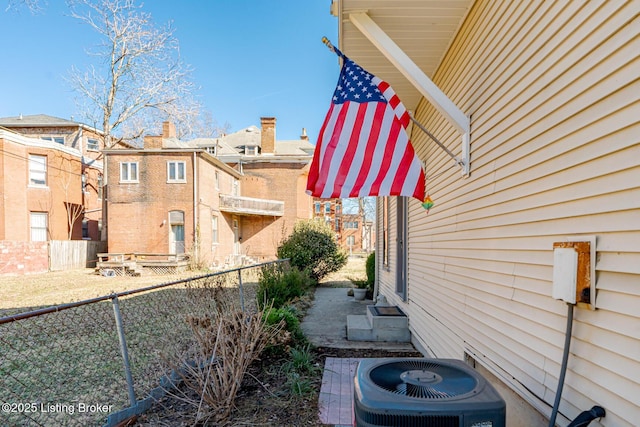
552 91
19 198
74 137
273 181
138 213
211 252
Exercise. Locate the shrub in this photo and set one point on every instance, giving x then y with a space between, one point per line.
288 316
370 267
312 246
278 286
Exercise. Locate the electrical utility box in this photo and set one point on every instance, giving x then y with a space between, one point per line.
574 276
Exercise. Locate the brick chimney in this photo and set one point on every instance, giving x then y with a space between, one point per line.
168 130
268 135
152 142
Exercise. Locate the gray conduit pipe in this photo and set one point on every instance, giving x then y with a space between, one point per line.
563 368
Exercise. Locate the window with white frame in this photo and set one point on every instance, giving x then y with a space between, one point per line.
129 172
214 228
100 185
176 171
327 207
39 223
318 207
37 170
351 241
92 144
251 150
58 139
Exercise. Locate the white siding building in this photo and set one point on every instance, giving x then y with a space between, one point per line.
552 90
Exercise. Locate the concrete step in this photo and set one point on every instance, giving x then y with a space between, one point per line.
359 328
387 324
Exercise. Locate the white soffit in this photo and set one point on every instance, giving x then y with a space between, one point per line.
422 29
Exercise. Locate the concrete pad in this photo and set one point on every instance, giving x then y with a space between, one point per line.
325 324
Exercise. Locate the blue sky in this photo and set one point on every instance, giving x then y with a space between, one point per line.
251 58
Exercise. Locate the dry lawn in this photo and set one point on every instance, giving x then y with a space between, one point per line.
22 293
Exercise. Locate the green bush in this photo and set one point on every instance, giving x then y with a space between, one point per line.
274 316
312 247
277 286
370 267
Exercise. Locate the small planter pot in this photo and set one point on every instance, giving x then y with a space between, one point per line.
359 294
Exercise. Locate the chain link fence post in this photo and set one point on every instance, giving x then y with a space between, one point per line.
123 350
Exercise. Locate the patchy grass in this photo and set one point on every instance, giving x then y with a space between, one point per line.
340 279
23 293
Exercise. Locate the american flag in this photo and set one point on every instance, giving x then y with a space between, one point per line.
363 148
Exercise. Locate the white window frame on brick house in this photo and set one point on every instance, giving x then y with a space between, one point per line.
39 224
214 229
58 139
176 171
251 150
37 170
129 172
93 144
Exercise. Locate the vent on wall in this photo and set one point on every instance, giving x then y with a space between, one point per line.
422 391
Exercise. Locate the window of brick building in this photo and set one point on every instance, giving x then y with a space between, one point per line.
129 172
92 144
37 170
176 171
214 226
39 223
58 139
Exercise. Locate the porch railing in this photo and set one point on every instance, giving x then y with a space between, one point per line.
251 206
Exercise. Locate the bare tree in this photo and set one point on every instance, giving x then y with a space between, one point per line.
34 6
139 71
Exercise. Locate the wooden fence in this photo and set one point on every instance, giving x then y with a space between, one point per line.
73 254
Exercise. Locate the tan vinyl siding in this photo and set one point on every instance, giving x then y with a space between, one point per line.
552 89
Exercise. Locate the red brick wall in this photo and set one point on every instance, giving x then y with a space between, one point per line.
19 198
138 213
274 181
18 258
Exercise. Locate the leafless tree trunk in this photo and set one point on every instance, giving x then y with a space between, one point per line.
138 71
139 77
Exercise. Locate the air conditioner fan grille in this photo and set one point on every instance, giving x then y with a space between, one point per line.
423 379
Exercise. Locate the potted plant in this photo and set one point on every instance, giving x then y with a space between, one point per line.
361 288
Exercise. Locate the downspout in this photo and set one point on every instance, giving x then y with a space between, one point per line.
195 207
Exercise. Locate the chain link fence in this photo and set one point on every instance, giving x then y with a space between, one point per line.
99 361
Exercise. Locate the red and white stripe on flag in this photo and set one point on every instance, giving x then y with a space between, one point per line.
363 148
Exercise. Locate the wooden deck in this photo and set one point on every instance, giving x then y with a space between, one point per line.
136 264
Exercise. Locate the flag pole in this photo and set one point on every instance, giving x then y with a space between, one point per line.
331 47
440 144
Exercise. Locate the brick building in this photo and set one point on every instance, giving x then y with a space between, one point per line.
206 197
46 188
164 198
271 169
51 137
352 232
